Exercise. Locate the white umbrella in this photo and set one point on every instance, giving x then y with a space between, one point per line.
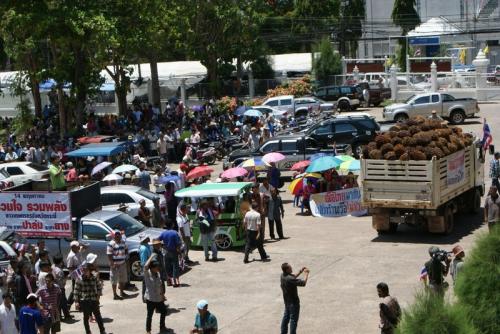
124 169
100 167
112 177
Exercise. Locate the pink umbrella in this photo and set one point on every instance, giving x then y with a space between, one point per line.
234 172
273 157
300 165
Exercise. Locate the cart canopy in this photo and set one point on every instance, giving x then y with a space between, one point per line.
99 150
214 189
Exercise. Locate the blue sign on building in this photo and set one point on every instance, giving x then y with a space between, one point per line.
431 40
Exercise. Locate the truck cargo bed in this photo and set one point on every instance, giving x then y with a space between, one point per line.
417 184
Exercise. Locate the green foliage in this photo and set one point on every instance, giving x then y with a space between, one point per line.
262 68
478 286
405 16
352 15
429 314
24 119
328 62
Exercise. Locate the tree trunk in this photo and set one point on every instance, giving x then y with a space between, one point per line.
214 89
63 126
37 99
155 82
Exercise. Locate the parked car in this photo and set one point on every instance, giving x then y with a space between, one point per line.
8 239
347 97
294 147
446 106
113 196
373 94
22 171
354 130
95 230
304 105
283 102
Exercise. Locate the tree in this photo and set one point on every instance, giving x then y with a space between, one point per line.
405 16
328 62
478 285
352 15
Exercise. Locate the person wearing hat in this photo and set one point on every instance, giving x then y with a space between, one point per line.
73 261
457 263
88 291
45 269
154 293
434 116
50 295
72 174
117 252
30 317
254 139
204 321
123 207
144 213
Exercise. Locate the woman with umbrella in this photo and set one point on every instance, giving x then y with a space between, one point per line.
309 189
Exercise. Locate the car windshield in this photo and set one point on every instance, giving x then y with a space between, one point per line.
125 223
3 174
408 99
148 194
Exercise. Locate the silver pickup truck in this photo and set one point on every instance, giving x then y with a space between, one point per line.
445 105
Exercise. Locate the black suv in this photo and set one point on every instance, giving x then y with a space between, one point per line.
347 97
355 130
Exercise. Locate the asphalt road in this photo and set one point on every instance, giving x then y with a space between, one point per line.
346 258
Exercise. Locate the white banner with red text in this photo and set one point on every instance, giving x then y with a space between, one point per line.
345 202
36 214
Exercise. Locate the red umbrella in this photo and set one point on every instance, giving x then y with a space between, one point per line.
199 172
298 166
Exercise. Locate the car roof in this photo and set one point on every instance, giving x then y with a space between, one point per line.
281 97
122 188
15 163
103 215
286 137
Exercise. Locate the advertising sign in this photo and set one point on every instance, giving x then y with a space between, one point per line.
337 203
36 214
456 168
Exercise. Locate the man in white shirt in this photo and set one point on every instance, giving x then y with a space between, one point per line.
8 316
184 230
252 222
73 261
10 155
169 139
492 207
161 145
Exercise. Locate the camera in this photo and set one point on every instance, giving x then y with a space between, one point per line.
440 255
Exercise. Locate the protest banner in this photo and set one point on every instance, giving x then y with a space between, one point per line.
455 168
36 214
337 203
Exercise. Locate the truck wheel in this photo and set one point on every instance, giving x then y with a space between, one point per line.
449 218
136 273
344 106
476 202
223 241
401 118
393 227
457 117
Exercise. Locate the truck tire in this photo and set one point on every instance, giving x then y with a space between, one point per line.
402 117
457 117
449 219
135 268
476 201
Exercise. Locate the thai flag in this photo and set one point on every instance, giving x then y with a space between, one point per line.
423 274
487 137
77 274
20 247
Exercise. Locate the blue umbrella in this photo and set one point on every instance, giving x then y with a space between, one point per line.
252 113
240 110
317 155
48 84
168 178
322 164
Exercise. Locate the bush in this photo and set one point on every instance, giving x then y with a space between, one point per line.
478 286
226 105
429 314
24 119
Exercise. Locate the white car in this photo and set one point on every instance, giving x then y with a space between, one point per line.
23 171
113 196
277 113
283 102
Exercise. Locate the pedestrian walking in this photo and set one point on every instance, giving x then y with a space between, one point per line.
204 321
60 280
50 295
495 170
87 294
117 252
390 312
30 317
172 245
492 207
275 212
73 261
206 221
154 293
8 316
144 253
289 283
184 230
437 268
252 226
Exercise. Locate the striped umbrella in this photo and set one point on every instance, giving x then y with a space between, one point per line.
256 163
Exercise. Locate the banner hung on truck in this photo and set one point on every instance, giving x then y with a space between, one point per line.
337 203
36 214
456 168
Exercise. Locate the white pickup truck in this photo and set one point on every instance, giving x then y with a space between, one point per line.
445 105
427 193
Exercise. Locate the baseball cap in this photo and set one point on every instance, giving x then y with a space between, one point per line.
201 304
32 296
74 243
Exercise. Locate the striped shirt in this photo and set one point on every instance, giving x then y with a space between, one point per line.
49 298
118 251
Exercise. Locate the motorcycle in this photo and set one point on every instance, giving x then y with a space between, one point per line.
206 155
